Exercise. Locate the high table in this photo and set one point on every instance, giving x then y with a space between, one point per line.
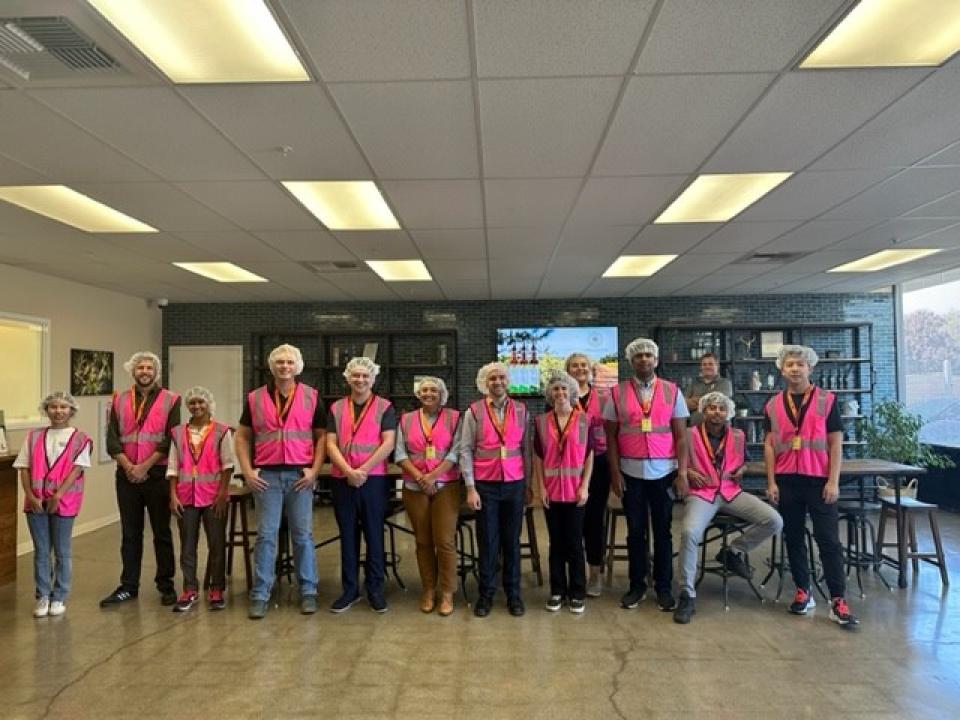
860 470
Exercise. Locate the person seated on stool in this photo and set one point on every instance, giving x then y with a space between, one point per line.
495 462
199 468
426 451
361 432
802 451
562 464
716 467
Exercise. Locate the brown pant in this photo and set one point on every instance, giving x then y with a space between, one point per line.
434 527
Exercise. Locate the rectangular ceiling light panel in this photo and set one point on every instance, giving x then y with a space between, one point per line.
400 270
207 41
718 198
224 272
883 260
60 203
637 265
353 205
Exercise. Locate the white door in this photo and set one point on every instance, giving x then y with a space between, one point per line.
219 368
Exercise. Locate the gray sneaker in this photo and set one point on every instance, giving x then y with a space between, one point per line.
258 609
595 584
308 604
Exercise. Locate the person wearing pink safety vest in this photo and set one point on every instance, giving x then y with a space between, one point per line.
802 450
646 425
717 456
138 438
495 462
361 432
592 399
562 466
426 451
280 448
200 466
51 465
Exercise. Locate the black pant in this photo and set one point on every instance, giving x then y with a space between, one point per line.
798 496
642 499
361 508
498 534
594 527
565 526
152 495
215 528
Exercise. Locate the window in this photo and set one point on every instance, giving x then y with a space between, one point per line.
24 368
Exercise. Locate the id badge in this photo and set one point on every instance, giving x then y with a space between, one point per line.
795 445
503 452
646 425
431 452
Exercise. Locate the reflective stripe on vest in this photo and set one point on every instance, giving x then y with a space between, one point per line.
490 463
562 468
594 410
290 443
633 442
813 456
701 461
46 480
198 489
357 447
415 443
140 441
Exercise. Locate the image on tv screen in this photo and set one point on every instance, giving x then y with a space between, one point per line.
531 352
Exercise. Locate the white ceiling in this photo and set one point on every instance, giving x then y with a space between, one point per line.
523 146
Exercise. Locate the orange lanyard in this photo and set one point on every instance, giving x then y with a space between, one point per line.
716 456
427 428
282 411
562 434
135 407
500 428
356 422
645 404
793 407
196 448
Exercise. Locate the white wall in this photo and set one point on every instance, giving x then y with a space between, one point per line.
81 317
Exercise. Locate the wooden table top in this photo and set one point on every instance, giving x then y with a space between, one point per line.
855 468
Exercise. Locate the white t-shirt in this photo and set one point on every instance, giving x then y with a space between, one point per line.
226 451
56 443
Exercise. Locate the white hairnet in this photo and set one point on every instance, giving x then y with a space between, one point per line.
558 377
201 392
60 396
575 356
291 351
431 380
486 370
139 357
641 345
805 352
362 362
717 398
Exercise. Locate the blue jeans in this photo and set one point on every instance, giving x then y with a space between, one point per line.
361 509
272 503
51 532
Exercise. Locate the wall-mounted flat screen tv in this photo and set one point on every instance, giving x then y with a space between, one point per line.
531 352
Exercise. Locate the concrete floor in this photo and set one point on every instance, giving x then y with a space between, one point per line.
755 661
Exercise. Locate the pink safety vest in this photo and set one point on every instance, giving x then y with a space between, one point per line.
563 464
493 460
198 480
633 441
700 460
444 430
290 442
140 440
812 457
594 410
46 479
357 447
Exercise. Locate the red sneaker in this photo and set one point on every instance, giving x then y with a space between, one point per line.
840 613
802 602
187 599
215 599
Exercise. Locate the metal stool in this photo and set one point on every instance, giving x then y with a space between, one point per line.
908 508
858 553
530 550
240 497
780 565
722 524
467 558
615 551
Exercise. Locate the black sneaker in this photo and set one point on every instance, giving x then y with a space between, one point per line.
735 563
554 603
481 608
168 597
344 603
665 601
840 613
515 606
121 596
577 606
377 603
802 602
685 609
632 598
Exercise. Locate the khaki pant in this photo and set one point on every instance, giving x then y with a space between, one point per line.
434 527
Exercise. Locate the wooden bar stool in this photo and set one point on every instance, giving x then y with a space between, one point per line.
909 507
530 550
615 551
240 498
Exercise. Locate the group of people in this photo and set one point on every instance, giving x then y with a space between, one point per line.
633 440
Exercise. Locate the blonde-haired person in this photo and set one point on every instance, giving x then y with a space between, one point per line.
138 438
591 401
51 464
562 464
426 451
280 447
201 463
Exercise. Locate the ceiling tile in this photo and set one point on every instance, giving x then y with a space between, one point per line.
899 194
451 270
418 291
168 248
816 235
671 124
946 207
232 245
413 130
948 238
546 38
450 244
542 203
465 289
604 242
432 204
888 234
624 201
673 238
660 284
742 237
950 155
160 205
808 194
531 245
252 205
543 128
14 173
316 245
610 287
379 244
698 264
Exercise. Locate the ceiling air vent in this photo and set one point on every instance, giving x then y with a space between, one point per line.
771 258
50 48
333 266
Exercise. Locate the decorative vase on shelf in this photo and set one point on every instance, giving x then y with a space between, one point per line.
771 381
755 382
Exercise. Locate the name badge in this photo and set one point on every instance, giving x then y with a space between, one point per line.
795 445
431 452
503 452
646 425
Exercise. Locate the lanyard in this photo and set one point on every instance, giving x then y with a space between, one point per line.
282 411
585 400
499 428
427 428
645 405
197 448
136 407
803 406
46 456
562 434
716 457
356 422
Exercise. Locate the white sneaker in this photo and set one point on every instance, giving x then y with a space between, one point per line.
595 585
57 607
42 608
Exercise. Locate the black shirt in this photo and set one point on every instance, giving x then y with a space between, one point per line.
115 447
319 415
387 422
834 423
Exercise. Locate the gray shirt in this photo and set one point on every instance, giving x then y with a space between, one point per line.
400 449
700 387
468 442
